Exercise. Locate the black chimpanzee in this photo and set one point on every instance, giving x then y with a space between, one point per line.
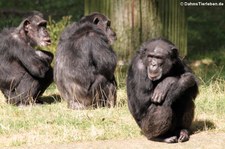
85 63
25 73
161 90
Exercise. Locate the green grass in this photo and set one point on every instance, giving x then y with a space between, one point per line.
55 123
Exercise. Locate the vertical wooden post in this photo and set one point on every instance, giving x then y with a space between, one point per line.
136 21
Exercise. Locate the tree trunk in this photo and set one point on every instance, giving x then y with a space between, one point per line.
136 21
174 23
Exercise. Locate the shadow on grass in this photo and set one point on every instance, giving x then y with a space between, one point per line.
50 99
202 125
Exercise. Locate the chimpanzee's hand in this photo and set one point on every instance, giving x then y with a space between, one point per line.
162 88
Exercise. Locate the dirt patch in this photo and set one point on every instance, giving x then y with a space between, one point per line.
209 140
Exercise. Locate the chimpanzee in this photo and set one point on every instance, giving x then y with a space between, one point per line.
25 73
85 63
161 91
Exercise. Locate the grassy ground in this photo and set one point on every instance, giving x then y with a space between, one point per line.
55 123
51 123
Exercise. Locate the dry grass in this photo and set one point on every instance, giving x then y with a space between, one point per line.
52 123
55 123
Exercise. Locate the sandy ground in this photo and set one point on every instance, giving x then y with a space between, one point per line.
202 140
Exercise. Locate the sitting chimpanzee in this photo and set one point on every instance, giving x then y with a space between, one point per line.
25 73
161 90
85 63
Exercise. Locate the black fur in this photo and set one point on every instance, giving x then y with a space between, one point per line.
85 65
163 108
25 73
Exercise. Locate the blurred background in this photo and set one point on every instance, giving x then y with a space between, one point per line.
198 31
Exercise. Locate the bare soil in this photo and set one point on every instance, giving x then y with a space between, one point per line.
202 140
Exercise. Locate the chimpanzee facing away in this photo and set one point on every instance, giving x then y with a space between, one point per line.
161 90
25 73
85 63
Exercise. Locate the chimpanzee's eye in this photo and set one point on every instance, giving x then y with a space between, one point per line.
42 24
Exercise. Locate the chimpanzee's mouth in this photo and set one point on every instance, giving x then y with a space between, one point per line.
153 75
45 42
48 41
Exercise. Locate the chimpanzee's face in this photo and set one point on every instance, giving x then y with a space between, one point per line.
158 59
36 30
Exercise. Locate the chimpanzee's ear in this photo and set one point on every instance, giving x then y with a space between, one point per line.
26 24
143 49
96 20
142 52
174 54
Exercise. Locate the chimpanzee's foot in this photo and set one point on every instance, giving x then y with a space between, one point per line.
172 139
183 136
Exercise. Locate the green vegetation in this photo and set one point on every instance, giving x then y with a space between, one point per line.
12 12
55 29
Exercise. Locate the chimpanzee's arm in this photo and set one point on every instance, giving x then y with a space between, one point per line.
187 81
162 88
104 58
34 64
139 89
45 55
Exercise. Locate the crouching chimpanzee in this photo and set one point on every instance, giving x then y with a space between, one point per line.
25 73
85 63
161 90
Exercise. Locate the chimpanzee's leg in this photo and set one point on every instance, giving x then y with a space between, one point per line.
29 89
